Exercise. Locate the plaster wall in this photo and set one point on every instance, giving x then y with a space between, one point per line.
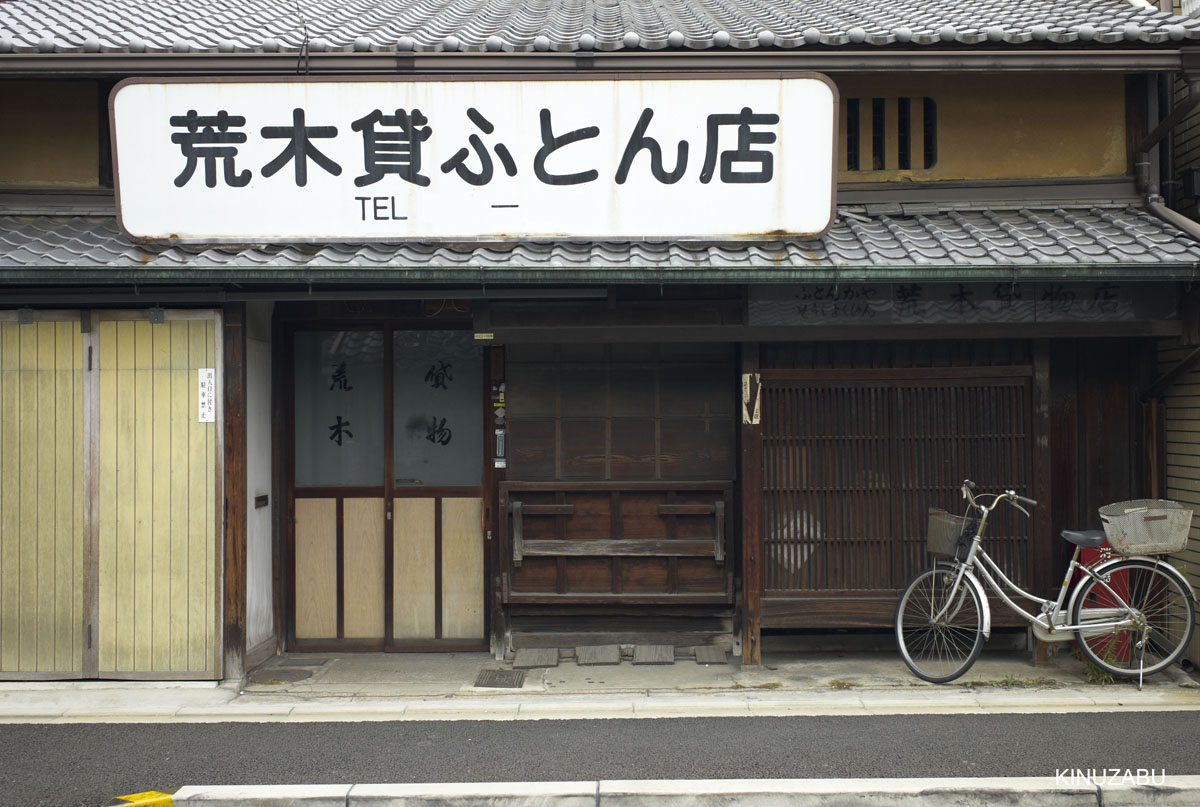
1022 126
260 615
49 134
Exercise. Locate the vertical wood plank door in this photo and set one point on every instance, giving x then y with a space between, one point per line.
41 500
157 561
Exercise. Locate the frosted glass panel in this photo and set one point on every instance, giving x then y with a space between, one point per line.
339 408
438 395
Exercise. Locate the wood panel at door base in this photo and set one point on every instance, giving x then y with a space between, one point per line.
414 569
462 568
362 548
316 568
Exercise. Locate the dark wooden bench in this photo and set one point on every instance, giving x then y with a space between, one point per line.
632 523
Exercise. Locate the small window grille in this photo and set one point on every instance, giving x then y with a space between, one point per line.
878 138
852 134
912 122
904 132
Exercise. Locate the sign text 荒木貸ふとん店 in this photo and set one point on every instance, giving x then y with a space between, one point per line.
380 160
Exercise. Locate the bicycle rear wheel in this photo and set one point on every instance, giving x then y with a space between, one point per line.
1157 595
939 650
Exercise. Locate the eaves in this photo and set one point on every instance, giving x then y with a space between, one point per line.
512 274
402 63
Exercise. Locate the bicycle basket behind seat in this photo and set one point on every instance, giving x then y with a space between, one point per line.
947 531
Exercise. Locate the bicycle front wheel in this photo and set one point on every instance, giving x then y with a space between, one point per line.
939 627
1153 595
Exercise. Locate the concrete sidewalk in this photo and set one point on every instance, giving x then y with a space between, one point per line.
378 687
1101 791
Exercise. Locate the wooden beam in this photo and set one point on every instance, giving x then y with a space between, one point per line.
1044 544
234 388
751 476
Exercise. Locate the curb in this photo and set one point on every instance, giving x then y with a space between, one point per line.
1087 789
150 798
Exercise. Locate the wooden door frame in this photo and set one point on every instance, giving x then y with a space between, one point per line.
388 491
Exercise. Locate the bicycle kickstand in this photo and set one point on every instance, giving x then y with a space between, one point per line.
1141 648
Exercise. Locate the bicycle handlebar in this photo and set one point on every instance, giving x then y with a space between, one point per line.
969 487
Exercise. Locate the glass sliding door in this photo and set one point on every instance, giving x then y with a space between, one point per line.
386 541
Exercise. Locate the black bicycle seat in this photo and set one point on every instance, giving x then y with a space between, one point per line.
1088 538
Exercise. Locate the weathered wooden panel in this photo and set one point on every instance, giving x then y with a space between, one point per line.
41 516
316 568
363 567
157 469
577 542
414 605
462 568
640 412
589 575
1181 411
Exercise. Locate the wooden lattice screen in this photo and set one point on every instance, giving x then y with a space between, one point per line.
851 466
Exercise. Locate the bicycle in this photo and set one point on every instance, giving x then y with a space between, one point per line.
1132 615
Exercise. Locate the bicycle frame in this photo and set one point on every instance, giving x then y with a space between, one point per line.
978 560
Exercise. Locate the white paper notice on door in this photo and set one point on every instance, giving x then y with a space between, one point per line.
208 394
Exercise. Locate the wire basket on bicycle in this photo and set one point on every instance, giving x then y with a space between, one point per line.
947 532
1146 526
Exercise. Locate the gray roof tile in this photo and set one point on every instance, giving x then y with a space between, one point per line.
1110 234
31 26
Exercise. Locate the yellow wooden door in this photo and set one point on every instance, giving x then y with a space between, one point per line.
156 553
41 499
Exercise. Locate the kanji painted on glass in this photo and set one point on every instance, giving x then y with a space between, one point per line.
339 379
300 148
393 152
551 144
439 374
208 138
743 153
340 430
639 141
437 432
483 176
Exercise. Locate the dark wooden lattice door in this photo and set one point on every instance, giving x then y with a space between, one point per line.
853 462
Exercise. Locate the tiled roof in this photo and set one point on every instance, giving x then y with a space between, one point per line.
1069 237
183 26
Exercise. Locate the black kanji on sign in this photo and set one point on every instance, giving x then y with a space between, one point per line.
483 176
395 152
299 147
208 138
340 430
743 153
964 297
638 141
551 144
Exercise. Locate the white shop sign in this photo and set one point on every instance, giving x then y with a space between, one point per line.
337 160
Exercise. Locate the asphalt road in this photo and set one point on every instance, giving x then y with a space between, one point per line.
88 764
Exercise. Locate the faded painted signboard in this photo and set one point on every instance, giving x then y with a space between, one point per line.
956 303
691 156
